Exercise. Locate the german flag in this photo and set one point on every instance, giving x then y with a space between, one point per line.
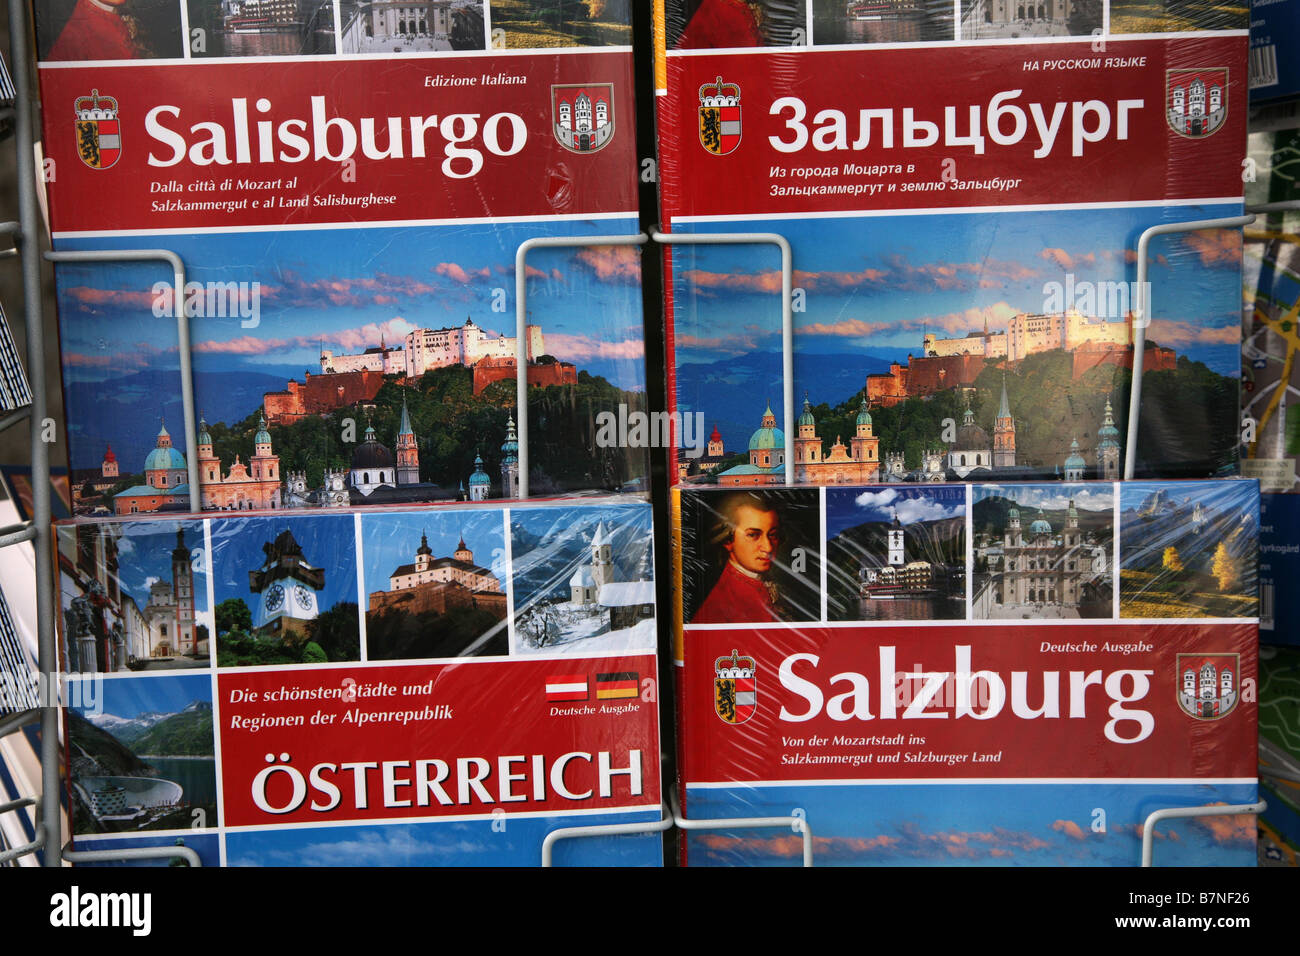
618 686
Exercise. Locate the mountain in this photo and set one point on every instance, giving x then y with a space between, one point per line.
543 563
126 410
97 753
733 392
185 734
126 729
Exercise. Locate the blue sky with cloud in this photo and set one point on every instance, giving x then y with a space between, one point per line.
879 283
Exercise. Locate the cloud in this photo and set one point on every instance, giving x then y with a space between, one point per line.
122 298
1177 334
1070 829
1215 247
1067 261
912 510
911 842
897 274
581 347
974 319
392 331
1238 828
725 344
851 328
612 263
876 499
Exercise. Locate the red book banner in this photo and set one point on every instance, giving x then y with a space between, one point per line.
156 147
826 130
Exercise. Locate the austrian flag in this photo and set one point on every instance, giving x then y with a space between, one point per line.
567 687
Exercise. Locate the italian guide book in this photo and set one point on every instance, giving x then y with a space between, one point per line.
438 687
963 188
969 674
347 186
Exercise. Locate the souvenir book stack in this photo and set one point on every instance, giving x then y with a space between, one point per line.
962 188
322 677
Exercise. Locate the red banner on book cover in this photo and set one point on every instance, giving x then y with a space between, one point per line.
154 147
337 745
1021 701
824 130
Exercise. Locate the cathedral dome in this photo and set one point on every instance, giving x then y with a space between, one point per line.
1040 525
370 453
767 438
164 459
971 437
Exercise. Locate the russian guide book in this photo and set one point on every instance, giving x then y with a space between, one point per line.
347 186
963 188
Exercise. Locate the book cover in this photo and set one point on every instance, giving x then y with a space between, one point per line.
329 689
348 216
1011 674
965 294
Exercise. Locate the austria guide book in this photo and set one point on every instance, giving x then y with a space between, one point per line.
963 188
347 187
440 687
969 674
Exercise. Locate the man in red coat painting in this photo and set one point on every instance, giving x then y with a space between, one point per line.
744 594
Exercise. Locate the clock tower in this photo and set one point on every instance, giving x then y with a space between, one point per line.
288 589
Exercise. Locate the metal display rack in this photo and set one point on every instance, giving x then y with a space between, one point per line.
37 530
26 233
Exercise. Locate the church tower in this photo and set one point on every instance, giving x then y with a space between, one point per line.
1013 539
1108 447
1075 464
209 464
479 482
509 464
264 468
715 443
183 595
463 553
897 558
108 467
1004 434
602 568
864 444
408 455
807 446
1070 537
423 554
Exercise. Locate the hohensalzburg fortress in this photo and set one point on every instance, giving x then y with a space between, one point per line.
1026 334
425 349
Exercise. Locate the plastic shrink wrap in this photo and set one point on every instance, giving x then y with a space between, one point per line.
437 687
347 185
963 206
970 674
